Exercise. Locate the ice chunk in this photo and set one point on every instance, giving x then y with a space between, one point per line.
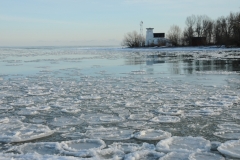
16 131
26 112
228 134
5 107
111 119
229 126
144 155
183 144
176 156
154 101
173 105
230 98
134 124
66 121
39 108
37 120
102 118
236 115
212 103
166 119
109 133
42 148
168 111
22 102
72 135
230 148
90 97
151 134
131 147
205 155
110 153
144 116
84 144
72 110
35 156
207 111
82 147
4 120
37 93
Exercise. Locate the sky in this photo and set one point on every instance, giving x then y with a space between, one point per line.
96 22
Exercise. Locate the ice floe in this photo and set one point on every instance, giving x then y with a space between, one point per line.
230 148
90 97
166 119
131 147
183 144
82 147
228 134
113 133
205 155
66 121
140 117
76 148
176 156
35 156
171 112
144 155
151 134
17 131
134 124
229 126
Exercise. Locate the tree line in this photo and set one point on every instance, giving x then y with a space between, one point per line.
222 31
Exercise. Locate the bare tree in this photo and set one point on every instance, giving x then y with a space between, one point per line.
234 20
223 31
133 39
174 35
207 28
199 27
188 32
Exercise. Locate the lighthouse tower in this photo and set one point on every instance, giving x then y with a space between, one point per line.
149 36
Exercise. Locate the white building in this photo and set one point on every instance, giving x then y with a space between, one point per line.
155 39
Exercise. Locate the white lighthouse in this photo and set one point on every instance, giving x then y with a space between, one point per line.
156 39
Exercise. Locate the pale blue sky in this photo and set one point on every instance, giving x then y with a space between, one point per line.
96 22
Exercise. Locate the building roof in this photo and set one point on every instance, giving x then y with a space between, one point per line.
158 35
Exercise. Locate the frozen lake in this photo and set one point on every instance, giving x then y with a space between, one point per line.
113 103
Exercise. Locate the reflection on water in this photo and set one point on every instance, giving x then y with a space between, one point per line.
184 64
